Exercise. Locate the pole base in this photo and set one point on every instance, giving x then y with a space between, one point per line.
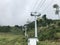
32 41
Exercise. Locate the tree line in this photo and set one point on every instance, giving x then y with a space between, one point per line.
47 28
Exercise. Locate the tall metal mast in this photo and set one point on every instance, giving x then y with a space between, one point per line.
35 14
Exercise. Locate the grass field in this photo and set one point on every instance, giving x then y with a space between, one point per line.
49 43
11 39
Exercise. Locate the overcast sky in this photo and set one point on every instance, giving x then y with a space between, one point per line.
17 12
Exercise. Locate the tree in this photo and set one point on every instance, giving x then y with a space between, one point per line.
31 25
44 17
17 26
57 8
5 29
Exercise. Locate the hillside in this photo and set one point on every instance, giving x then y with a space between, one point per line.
48 33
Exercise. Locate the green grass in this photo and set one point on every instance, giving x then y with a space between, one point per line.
49 43
11 39
57 35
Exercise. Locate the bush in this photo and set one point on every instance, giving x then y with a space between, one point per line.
47 34
5 29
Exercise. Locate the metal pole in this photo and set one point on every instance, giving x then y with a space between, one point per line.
25 31
35 26
35 15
